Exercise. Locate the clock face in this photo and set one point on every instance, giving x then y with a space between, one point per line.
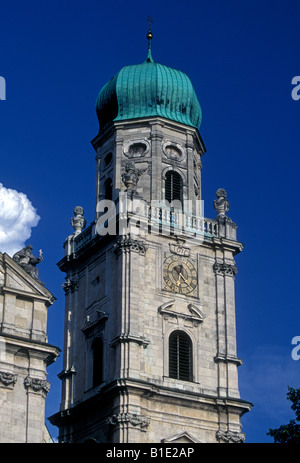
180 275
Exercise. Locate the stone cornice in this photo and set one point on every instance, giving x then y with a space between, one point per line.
150 388
130 338
226 244
29 295
47 352
67 373
228 359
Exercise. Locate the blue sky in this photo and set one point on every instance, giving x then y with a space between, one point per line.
241 57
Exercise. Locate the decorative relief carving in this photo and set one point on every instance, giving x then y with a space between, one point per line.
131 175
37 385
225 269
136 148
129 418
127 244
194 314
173 151
94 324
8 379
179 249
183 437
70 285
230 436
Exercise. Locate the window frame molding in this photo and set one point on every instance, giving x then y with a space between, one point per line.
93 328
183 179
186 337
188 322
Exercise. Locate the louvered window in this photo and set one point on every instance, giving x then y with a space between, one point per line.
180 356
173 186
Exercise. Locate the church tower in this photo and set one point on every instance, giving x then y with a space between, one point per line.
150 342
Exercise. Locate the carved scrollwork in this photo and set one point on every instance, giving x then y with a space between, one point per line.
131 175
70 285
126 243
136 148
230 437
8 379
130 418
225 269
37 385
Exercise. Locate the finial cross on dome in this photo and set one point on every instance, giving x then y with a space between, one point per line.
150 21
149 37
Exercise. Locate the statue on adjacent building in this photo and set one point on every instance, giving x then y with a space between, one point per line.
28 261
78 222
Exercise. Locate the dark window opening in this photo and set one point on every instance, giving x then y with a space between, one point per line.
173 187
180 356
97 362
108 189
107 160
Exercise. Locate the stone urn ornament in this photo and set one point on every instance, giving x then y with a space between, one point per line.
221 204
130 177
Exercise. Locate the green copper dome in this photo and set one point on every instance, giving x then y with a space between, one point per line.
149 89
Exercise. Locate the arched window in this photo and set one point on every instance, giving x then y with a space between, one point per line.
97 349
180 356
173 186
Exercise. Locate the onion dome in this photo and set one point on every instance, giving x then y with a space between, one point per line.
148 89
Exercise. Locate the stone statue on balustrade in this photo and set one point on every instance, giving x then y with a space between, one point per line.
28 261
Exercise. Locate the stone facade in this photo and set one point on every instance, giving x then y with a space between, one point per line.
121 292
24 354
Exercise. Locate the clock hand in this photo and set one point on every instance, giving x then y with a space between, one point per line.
178 281
184 279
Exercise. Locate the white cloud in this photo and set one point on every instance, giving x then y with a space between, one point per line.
17 217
